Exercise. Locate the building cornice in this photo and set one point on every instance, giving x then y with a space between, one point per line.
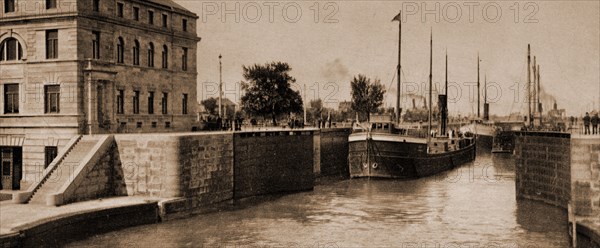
141 26
37 17
166 8
124 22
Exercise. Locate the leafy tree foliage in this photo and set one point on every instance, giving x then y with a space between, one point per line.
367 96
268 91
315 111
210 104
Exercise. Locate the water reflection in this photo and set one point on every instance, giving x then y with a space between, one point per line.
473 206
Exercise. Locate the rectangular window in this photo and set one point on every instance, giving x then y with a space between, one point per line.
136 54
136 13
154 124
11 98
150 17
120 102
151 102
51 44
138 125
120 51
165 58
9 6
50 4
164 20
52 98
184 58
168 124
96 6
50 154
136 102
184 104
120 9
184 24
6 166
96 45
151 55
164 103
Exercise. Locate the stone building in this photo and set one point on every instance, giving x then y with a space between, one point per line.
72 67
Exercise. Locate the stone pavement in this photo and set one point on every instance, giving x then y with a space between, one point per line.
14 217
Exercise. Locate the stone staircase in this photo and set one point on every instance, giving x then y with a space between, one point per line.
64 171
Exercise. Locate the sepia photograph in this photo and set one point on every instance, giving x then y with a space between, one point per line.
300 123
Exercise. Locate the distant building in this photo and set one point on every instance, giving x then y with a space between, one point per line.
90 67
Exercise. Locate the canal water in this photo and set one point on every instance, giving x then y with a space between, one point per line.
473 206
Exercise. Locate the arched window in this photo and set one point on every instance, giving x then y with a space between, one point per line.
10 49
150 55
165 57
136 53
120 50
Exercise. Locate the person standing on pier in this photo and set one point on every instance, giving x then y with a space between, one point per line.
586 123
595 121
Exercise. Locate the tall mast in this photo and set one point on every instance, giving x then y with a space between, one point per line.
478 91
399 67
446 84
220 84
430 84
539 93
486 107
484 90
535 93
529 85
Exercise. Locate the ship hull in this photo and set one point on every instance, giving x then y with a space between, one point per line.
402 159
485 135
504 142
485 142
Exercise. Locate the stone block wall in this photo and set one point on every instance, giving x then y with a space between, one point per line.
272 162
585 171
198 167
207 163
542 167
334 151
150 164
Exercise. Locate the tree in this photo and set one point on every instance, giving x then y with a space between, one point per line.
316 110
210 105
367 96
268 92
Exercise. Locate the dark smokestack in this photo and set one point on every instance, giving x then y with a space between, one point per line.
443 110
486 111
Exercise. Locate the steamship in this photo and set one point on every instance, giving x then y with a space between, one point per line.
484 129
382 148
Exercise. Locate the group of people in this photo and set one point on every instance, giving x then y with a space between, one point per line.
587 120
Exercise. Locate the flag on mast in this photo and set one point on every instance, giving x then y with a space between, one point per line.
398 17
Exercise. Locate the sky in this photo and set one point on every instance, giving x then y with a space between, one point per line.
328 43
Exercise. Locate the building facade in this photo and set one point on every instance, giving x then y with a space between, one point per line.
72 67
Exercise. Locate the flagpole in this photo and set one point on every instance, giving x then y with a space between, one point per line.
398 18
399 111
